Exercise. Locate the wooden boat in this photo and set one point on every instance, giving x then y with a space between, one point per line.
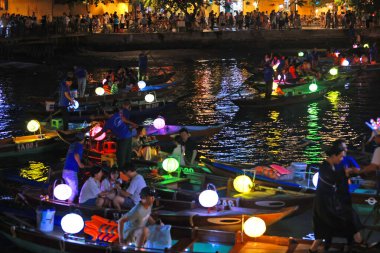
29 144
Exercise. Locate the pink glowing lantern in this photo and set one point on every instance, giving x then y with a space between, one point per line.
159 123
96 129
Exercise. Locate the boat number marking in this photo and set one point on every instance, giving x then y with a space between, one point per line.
227 202
224 221
270 203
371 201
25 146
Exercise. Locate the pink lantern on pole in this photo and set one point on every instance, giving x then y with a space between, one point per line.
96 129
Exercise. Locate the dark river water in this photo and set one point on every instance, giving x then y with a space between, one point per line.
254 136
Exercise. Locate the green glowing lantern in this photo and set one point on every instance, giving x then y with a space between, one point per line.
313 87
333 71
300 54
170 164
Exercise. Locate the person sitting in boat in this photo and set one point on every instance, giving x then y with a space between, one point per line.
355 60
130 197
375 161
111 184
72 164
364 59
142 145
293 73
179 150
91 193
121 75
132 226
190 146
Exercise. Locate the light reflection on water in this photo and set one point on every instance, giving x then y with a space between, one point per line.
36 171
5 118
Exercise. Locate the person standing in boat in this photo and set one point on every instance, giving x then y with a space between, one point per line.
72 164
332 216
81 76
268 78
132 226
65 100
130 197
190 146
143 65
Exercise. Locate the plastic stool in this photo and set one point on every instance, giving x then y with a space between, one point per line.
110 159
109 147
56 123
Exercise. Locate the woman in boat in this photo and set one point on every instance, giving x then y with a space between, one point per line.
111 184
332 215
179 150
142 144
91 194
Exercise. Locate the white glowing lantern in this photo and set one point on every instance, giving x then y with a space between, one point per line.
141 84
72 223
96 129
62 192
104 81
333 71
243 184
345 63
301 54
33 125
74 105
99 91
254 227
149 98
313 87
159 123
208 198
315 179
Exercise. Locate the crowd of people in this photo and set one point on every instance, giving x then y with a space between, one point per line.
13 25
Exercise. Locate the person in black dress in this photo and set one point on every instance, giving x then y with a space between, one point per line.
333 216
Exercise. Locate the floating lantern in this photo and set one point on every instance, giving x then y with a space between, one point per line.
366 45
301 54
33 125
62 192
99 91
209 198
333 71
313 87
72 223
254 227
149 98
159 123
170 164
141 84
315 179
243 184
96 129
104 81
345 63
74 105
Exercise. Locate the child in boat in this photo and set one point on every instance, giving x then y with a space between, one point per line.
111 184
91 193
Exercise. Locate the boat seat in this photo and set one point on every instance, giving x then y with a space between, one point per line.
56 123
109 147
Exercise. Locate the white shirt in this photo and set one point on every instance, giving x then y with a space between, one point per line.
137 183
178 153
376 157
90 190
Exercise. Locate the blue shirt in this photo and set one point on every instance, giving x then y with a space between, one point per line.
268 74
118 127
71 163
63 101
347 162
80 72
126 113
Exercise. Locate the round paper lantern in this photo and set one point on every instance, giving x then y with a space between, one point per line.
345 63
243 184
254 227
72 223
159 123
104 81
33 125
315 179
96 129
170 164
313 87
149 98
366 45
333 71
74 105
99 91
141 84
62 192
208 198
300 54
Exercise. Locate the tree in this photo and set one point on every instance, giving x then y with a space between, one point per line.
296 3
183 5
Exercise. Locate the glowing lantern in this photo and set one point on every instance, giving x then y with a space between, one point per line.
96 129
149 98
315 179
300 54
243 184
208 198
99 91
333 71
336 54
254 227
313 87
170 164
72 223
104 81
159 123
279 77
345 63
33 125
366 45
74 105
354 46
274 86
62 192
141 84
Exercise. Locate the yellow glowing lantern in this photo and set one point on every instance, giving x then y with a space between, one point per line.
170 164
99 91
333 71
149 98
243 184
274 86
254 227
366 45
33 125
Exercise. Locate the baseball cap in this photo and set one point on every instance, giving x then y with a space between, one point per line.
147 191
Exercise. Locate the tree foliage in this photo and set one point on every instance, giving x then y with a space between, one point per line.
183 5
